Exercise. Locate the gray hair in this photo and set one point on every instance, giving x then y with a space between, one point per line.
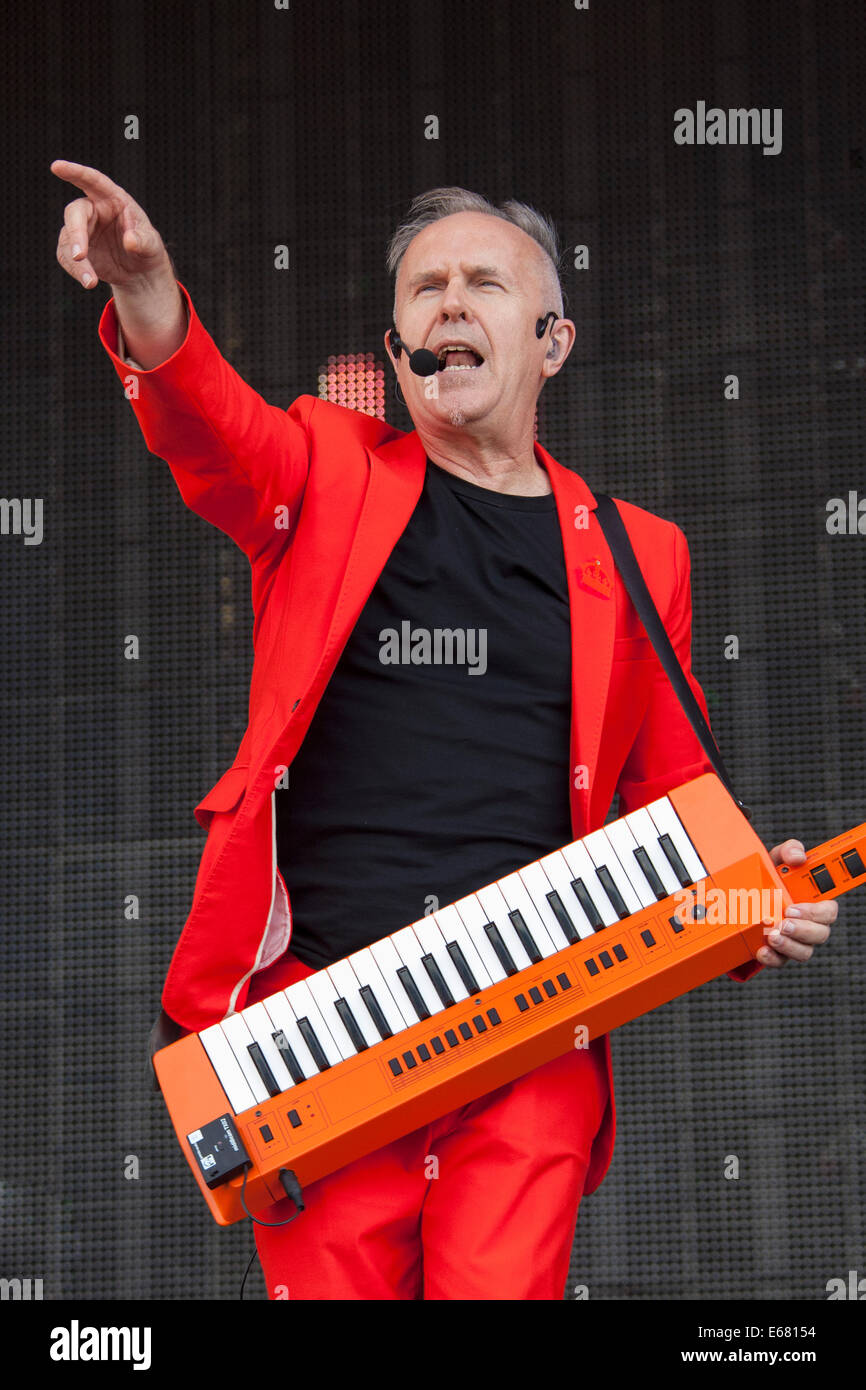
442 202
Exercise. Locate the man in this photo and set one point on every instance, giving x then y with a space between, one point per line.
412 783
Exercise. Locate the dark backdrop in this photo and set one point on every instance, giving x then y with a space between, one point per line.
306 127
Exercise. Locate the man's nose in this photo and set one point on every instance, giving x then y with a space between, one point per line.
454 305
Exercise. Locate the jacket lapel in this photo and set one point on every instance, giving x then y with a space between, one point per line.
394 486
592 603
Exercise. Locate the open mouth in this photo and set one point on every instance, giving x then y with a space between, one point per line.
460 360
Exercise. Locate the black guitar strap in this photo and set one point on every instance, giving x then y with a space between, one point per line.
617 538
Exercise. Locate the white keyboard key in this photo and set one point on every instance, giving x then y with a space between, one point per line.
538 886
474 919
427 931
624 845
583 870
304 1006
516 894
560 875
347 985
258 1020
369 976
453 928
283 1019
667 822
494 904
606 861
410 951
643 829
239 1039
227 1068
321 986
388 962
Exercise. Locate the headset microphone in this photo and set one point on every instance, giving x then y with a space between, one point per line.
423 362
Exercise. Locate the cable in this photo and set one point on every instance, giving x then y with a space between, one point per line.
292 1189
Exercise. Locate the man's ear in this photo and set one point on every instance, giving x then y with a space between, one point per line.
388 349
561 343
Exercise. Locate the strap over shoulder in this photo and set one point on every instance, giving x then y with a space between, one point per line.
621 548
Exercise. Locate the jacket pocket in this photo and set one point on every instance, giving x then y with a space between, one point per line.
632 649
224 795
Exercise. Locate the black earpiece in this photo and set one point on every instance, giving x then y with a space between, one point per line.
541 325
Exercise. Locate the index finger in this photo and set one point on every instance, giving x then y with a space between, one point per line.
91 181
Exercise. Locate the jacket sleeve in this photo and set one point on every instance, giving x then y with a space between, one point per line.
666 751
238 462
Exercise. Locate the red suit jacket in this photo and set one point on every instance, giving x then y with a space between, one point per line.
317 496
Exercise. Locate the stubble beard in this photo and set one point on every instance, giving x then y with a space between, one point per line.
457 417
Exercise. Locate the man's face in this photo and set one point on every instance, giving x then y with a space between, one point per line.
477 280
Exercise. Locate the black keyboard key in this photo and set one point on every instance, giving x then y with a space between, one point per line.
437 979
261 1065
670 853
305 1028
605 878
525 935
559 911
462 966
649 872
416 998
350 1023
502 952
281 1043
380 1022
582 893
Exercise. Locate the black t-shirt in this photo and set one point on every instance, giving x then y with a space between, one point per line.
420 780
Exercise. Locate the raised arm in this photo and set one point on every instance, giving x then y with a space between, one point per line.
238 461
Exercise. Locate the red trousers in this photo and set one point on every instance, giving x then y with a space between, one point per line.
480 1204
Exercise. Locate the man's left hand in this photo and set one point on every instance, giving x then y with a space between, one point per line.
805 925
